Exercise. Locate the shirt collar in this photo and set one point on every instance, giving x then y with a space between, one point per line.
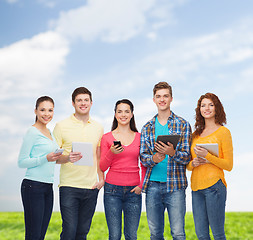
172 116
79 121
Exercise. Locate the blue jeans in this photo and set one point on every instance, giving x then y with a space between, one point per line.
157 200
208 206
37 198
77 207
116 200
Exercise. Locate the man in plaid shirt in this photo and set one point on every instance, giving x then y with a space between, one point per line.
165 180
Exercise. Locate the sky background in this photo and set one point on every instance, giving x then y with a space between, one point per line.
120 49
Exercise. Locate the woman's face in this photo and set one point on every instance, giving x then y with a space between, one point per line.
45 112
123 114
207 108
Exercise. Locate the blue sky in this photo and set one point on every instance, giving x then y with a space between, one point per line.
120 49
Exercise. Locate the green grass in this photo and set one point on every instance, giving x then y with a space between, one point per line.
239 226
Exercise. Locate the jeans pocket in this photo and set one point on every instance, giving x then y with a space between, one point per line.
109 189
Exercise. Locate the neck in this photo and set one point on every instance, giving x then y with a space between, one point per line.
210 123
123 128
83 118
163 115
40 125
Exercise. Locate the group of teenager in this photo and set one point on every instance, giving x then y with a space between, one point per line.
121 153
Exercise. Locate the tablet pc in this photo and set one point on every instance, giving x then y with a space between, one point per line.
86 151
213 148
169 138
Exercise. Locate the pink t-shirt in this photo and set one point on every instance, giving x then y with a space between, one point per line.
123 167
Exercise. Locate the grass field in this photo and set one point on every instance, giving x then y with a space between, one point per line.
239 226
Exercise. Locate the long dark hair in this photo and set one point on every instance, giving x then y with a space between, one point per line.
220 115
132 121
42 99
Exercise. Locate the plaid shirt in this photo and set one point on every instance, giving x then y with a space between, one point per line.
176 170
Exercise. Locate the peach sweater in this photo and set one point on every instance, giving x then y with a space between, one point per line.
207 175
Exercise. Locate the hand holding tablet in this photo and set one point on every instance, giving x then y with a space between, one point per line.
173 139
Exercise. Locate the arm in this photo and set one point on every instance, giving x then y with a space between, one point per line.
101 180
106 155
64 158
182 153
226 161
143 173
146 149
138 188
24 159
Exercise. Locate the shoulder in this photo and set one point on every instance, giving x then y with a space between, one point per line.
32 131
107 135
64 122
224 130
96 127
149 124
180 119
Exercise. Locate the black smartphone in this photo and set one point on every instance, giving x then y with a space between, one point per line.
117 143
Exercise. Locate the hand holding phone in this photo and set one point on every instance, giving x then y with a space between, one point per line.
59 150
117 148
117 143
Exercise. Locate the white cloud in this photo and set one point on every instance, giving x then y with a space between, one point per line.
115 20
32 64
110 20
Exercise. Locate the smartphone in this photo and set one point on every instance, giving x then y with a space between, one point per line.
59 150
117 143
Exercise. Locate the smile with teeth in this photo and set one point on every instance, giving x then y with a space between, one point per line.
46 118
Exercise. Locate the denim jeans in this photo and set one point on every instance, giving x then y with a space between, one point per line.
37 198
157 200
208 206
116 200
77 207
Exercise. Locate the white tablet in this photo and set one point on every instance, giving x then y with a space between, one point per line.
213 148
86 151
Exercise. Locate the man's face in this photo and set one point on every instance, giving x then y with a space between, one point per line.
162 99
82 104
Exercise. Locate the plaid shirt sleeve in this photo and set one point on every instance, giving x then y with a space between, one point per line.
182 154
147 146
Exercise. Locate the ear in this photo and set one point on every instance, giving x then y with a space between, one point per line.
35 111
73 104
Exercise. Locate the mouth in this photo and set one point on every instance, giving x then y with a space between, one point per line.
46 119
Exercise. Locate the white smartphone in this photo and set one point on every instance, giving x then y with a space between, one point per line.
59 150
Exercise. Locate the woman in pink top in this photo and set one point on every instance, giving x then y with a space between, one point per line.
122 189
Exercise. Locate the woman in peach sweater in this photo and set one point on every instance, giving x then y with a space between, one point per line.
207 180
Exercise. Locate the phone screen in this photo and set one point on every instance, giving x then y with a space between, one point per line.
117 143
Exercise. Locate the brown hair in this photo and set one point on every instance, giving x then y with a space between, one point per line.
81 90
42 99
162 85
132 121
220 115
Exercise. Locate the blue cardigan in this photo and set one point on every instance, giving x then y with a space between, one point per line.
33 154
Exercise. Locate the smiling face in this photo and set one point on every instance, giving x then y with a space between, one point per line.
123 114
82 104
207 109
44 112
163 99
